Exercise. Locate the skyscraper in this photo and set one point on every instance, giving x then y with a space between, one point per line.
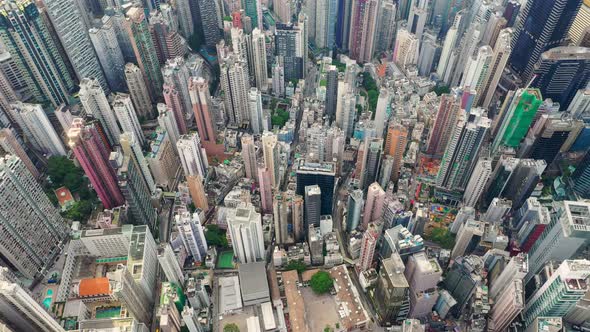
21 312
235 85
33 232
374 204
245 229
422 274
137 28
498 62
508 305
313 205
581 23
561 72
265 184
405 52
343 24
260 61
345 108
184 16
543 25
192 234
371 161
125 113
93 156
392 289
368 244
354 209
563 286
201 101
515 117
131 148
363 27
136 191
283 10
550 135
462 279
270 149
253 9
386 27
192 155
461 152
169 44
325 23
477 182
109 54
331 91
37 129
10 145
581 177
138 90
290 50
256 113
95 103
395 146
27 38
176 73
197 191
65 16
467 238
446 118
567 232
446 61
167 121
477 69
249 156
321 174
174 103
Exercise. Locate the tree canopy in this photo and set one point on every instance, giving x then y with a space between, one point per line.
296 265
321 282
231 327
215 236
442 237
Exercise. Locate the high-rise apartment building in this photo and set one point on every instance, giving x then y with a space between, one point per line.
331 91
283 10
253 9
498 62
37 128
395 146
422 274
580 25
167 121
27 38
201 105
137 28
325 23
127 116
468 238
260 60
446 118
174 104
406 48
256 113
10 145
363 27
265 188
368 245
134 188
249 156
192 155
462 150
270 149
373 204
235 85
345 108
354 209
581 177
93 156
543 24
177 73
197 191
477 182
462 279
65 16
385 37
210 20
369 161
33 232
131 148
109 54
169 43
245 229
508 305
290 50
163 160
192 234
313 205
561 72
95 103
20 312
138 90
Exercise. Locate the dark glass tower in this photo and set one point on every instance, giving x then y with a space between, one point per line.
543 24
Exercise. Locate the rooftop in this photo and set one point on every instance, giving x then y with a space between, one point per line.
295 302
328 168
350 309
394 267
251 280
94 287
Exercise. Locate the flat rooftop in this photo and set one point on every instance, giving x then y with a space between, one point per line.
252 280
350 309
230 298
295 302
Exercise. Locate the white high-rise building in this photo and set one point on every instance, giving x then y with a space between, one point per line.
125 289
516 269
20 312
259 58
245 229
31 228
580 105
445 62
249 156
386 26
477 182
270 150
283 10
185 19
66 18
132 148
381 118
176 73
37 128
9 144
567 232
477 69
500 57
235 84
142 261
127 116
95 103
190 318
465 236
256 115
508 305
345 108
192 155
167 121
406 48
106 45
138 90
192 234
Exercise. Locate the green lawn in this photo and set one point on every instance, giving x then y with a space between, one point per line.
225 260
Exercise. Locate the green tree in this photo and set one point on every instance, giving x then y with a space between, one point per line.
80 211
215 236
321 282
439 90
231 327
296 265
442 237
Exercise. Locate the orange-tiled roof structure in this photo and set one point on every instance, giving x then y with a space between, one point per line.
94 287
